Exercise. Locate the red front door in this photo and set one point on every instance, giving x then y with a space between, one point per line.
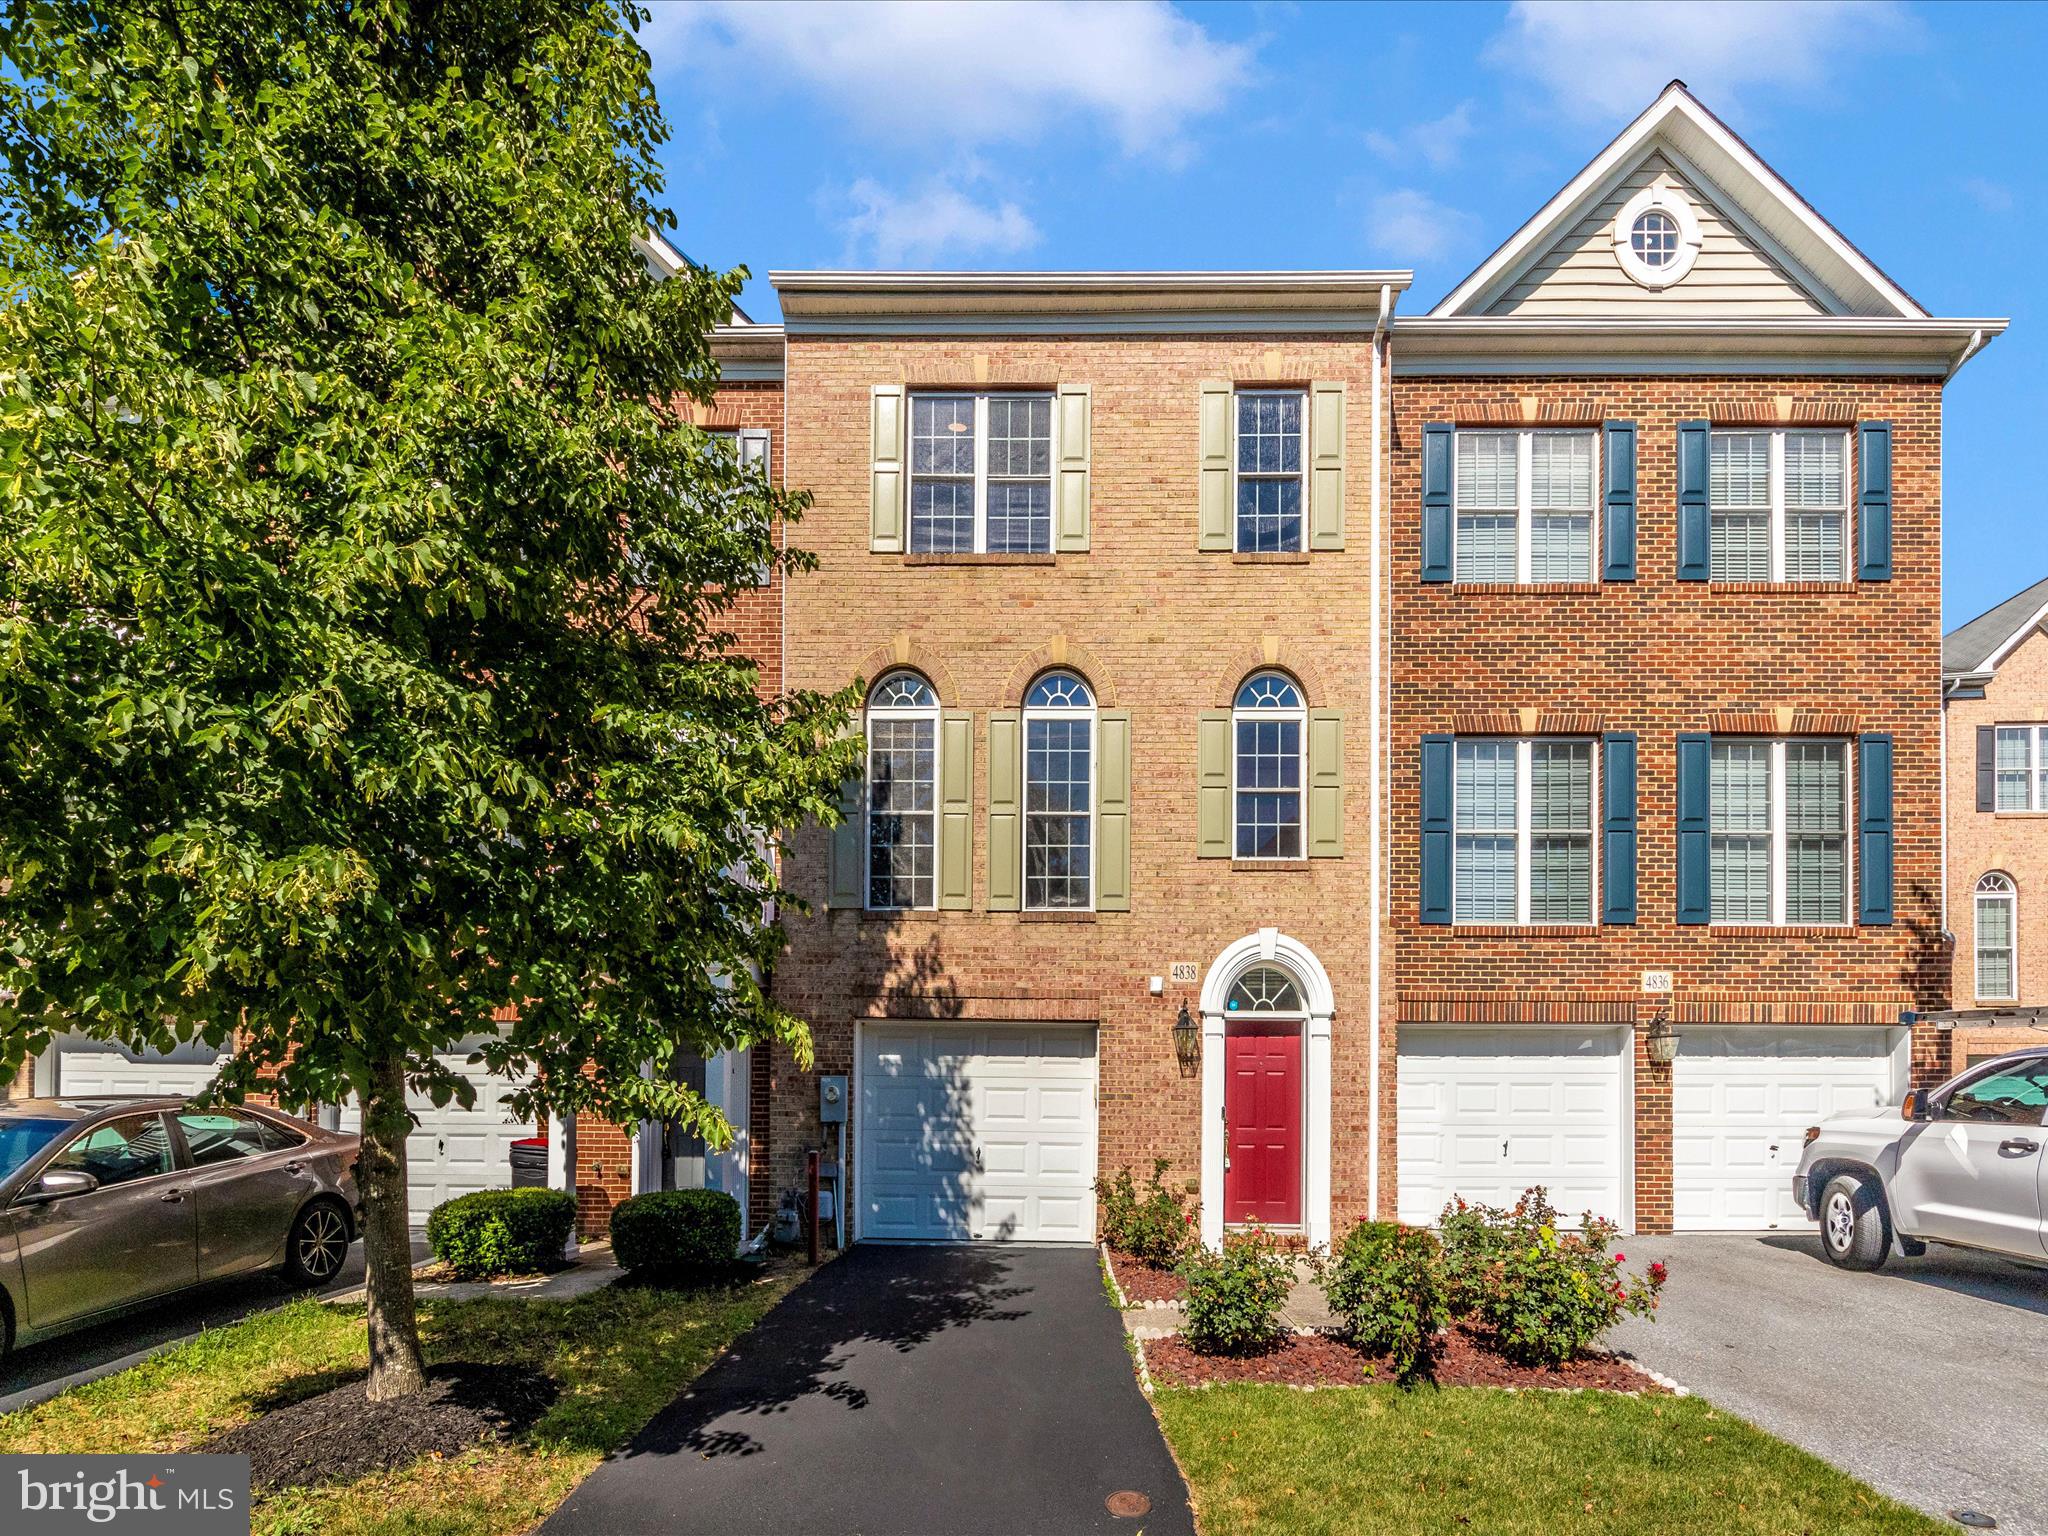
1262 1110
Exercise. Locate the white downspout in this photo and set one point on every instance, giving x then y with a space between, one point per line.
1375 747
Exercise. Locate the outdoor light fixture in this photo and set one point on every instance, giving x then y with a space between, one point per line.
1662 1040
1187 1040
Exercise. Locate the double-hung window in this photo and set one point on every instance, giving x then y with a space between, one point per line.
2021 768
1996 913
903 793
1268 726
1522 811
1272 458
750 446
1524 506
1059 793
1778 832
981 474
1778 505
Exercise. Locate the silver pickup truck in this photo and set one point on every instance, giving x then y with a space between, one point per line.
1960 1164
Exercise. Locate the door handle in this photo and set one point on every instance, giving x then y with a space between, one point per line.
977 1160
295 1166
2018 1144
171 1197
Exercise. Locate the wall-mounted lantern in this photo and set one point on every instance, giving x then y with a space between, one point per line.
1662 1041
1187 1041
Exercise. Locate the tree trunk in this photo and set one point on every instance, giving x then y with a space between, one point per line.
396 1367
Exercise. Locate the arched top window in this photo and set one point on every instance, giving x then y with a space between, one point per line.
1269 690
1995 884
1997 931
903 690
1059 690
1264 989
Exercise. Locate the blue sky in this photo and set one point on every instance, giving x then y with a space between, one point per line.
1070 134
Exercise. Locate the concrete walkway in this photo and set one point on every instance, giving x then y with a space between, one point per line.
593 1270
1305 1309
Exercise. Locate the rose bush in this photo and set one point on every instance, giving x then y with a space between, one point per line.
1153 1225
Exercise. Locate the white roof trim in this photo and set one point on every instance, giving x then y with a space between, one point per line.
666 260
1677 110
2011 642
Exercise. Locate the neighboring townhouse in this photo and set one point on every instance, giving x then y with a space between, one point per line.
1368 761
1995 691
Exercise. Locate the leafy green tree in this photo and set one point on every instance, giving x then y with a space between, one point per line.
364 678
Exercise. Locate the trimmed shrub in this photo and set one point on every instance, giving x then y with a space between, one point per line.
677 1234
501 1231
1548 1296
1386 1283
1154 1226
1233 1300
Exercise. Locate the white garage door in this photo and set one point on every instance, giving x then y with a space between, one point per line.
1486 1113
88 1069
1741 1100
456 1151
973 1131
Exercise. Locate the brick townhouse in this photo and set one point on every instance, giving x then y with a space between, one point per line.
1995 691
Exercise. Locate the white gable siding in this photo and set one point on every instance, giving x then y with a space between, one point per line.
1579 274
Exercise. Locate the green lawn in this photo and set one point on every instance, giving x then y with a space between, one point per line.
617 1356
1467 1461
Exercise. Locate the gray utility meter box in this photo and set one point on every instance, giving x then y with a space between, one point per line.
832 1100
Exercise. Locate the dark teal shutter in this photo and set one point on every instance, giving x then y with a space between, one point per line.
1874 830
1436 829
1874 503
1695 890
1437 441
1618 827
1987 767
1618 456
1693 526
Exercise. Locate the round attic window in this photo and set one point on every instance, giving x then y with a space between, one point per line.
1657 237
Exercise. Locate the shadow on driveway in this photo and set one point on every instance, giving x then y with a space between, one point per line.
943 1389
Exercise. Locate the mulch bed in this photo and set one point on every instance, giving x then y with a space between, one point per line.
341 1435
1142 1283
1320 1360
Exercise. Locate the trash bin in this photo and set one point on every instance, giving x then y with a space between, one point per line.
530 1163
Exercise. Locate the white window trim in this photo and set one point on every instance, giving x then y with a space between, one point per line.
1298 714
1525 504
1779 834
1300 476
981 399
1525 779
2009 896
930 712
1779 511
1667 200
2034 797
1061 712
743 438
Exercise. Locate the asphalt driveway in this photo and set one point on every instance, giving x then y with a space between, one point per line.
968 1390
1927 1379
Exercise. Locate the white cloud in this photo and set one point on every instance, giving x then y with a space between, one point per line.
1602 61
1438 141
1410 225
936 224
1991 196
949 75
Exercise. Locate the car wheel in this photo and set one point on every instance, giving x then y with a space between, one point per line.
317 1246
1853 1231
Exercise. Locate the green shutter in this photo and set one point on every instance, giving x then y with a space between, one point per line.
1113 811
1326 466
849 850
1005 810
1874 830
1215 519
1212 794
956 810
1874 501
885 492
1437 791
1326 783
1439 444
1070 536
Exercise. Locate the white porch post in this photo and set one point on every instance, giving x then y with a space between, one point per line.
1212 1129
1316 1208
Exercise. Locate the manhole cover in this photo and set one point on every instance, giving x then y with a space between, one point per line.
1128 1504
1975 1519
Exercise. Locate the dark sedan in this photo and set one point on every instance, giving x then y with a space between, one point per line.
108 1202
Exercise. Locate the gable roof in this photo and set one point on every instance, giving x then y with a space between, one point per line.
1715 160
1975 649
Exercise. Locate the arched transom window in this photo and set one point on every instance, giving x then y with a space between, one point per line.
1264 989
903 791
1997 931
1268 727
1059 793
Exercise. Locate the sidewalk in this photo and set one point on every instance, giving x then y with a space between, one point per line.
593 1269
1305 1310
